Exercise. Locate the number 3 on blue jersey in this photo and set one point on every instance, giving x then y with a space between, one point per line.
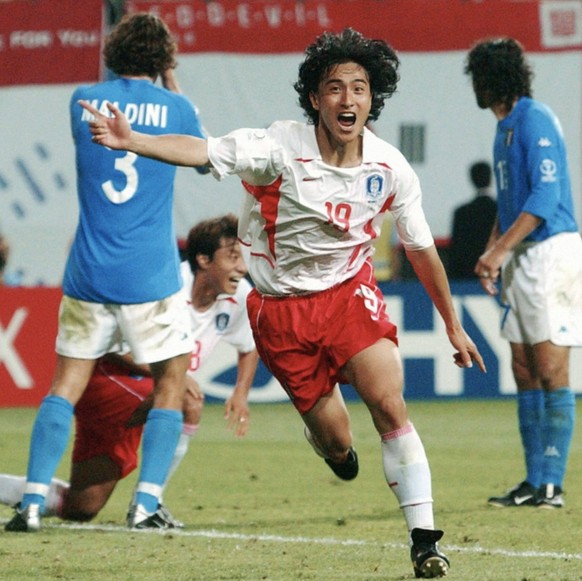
125 165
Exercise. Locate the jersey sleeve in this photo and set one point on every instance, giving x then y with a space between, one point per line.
545 161
252 154
411 225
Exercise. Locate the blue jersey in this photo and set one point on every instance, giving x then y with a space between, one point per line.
531 169
124 250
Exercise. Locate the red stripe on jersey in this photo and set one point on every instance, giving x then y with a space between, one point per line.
261 255
228 300
268 198
387 204
368 229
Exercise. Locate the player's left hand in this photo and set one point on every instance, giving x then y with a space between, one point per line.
488 269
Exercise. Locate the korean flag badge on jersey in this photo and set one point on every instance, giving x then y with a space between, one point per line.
374 187
221 321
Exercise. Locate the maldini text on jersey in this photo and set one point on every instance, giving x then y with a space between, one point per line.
146 114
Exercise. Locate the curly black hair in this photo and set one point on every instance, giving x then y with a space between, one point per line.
499 67
141 44
205 237
375 56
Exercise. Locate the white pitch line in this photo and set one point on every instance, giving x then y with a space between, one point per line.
214 534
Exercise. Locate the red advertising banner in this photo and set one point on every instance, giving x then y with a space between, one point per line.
50 41
284 26
28 330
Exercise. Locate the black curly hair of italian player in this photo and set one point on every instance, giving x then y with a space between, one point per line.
499 66
140 44
375 56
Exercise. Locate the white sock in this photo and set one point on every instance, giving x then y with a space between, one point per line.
12 489
188 432
408 475
58 490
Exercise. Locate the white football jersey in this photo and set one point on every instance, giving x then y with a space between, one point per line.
309 225
226 320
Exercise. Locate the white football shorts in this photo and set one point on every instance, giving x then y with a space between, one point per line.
153 331
542 292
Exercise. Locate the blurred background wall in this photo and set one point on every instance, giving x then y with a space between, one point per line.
238 61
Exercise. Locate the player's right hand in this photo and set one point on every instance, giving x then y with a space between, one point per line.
114 131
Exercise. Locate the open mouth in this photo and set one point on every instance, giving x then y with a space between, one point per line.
346 119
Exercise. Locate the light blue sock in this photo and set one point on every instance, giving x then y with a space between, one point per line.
558 429
50 436
530 412
160 438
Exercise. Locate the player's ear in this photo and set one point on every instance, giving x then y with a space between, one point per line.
314 100
203 261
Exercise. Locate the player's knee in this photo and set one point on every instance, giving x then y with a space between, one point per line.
82 507
552 375
389 410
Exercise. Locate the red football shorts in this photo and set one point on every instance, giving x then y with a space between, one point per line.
102 413
305 340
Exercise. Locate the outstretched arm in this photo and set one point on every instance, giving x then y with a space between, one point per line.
115 132
431 273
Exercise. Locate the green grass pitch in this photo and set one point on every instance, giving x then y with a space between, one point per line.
266 507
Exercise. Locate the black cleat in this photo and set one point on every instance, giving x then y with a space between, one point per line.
521 495
26 520
427 560
139 518
348 469
169 517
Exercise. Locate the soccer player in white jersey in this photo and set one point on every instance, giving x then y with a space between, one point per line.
316 196
535 250
109 416
122 278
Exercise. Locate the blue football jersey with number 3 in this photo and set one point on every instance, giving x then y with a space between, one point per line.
124 250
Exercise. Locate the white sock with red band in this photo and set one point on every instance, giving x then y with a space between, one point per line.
408 475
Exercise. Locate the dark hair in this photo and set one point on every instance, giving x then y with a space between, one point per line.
375 56
480 173
206 236
141 44
499 66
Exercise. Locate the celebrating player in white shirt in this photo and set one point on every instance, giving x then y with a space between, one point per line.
317 193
